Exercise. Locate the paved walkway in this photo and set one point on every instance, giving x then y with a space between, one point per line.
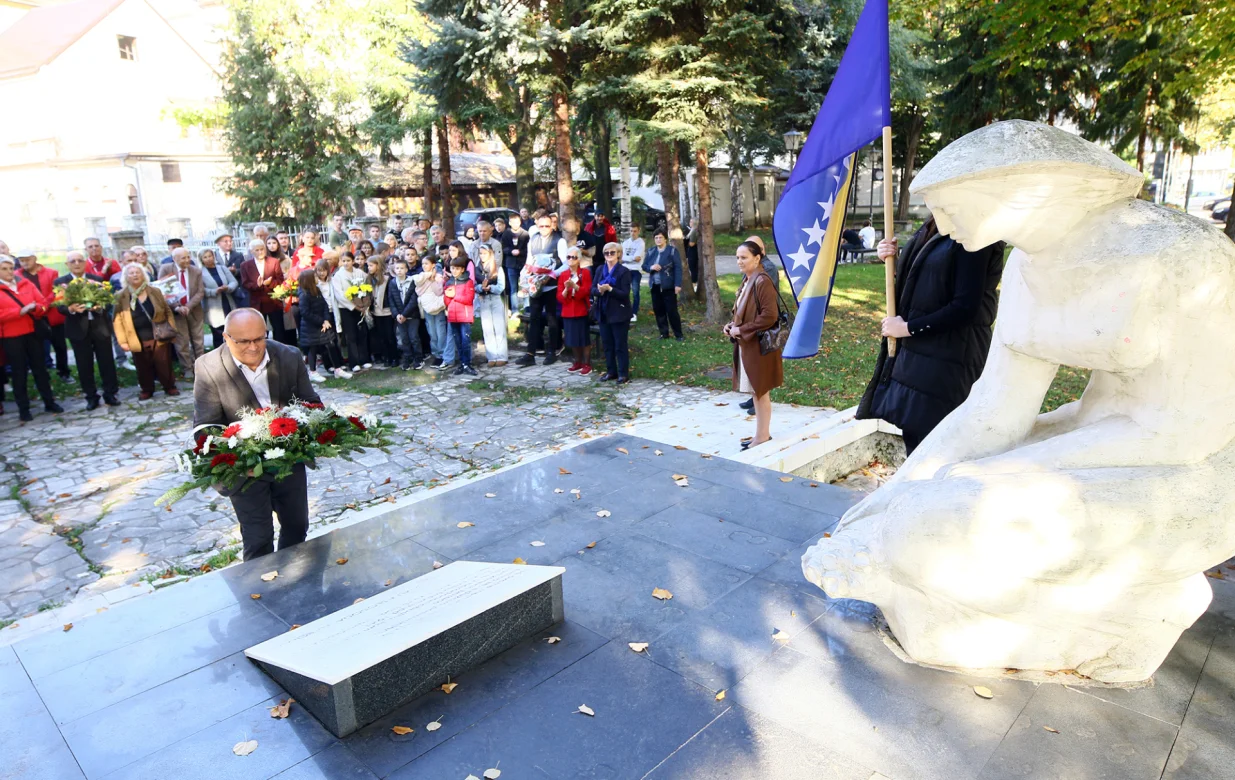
83 520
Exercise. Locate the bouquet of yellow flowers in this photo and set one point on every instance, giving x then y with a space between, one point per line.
357 291
84 292
287 289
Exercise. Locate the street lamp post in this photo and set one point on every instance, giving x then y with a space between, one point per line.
793 143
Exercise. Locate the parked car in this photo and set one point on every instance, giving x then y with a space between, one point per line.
1223 209
469 217
1215 203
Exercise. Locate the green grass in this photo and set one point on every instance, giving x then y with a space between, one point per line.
221 559
6 623
50 605
835 377
727 243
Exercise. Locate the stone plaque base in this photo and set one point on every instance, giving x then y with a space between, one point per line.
360 663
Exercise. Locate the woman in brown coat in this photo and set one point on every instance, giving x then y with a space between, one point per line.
139 308
755 311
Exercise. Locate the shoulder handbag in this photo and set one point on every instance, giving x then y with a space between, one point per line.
774 338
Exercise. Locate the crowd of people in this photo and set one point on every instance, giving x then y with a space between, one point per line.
403 298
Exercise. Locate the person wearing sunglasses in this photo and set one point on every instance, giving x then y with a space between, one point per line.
611 290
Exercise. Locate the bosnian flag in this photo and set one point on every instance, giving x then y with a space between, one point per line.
810 216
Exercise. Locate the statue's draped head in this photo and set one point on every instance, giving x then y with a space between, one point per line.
1021 182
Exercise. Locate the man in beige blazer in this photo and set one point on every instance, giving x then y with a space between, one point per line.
185 298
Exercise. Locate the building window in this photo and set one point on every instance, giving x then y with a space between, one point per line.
171 173
763 192
128 47
135 206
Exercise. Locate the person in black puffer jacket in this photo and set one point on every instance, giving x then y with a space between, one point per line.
947 300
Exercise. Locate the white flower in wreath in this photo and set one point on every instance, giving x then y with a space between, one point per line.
206 444
274 453
369 420
251 426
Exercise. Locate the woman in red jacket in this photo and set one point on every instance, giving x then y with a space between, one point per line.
574 289
44 279
20 304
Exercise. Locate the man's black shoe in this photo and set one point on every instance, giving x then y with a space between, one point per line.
25 416
525 361
111 400
550 360
748 404
92 404
56 408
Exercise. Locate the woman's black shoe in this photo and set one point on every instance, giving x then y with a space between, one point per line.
748 404
608 378
623 380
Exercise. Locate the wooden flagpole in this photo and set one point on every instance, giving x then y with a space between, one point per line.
889 231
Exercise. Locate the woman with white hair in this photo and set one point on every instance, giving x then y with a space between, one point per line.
260 274
21 304
143 326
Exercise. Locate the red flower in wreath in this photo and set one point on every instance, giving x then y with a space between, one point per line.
223 458
309 405
282 426
356 421
326 436
201 441
231 430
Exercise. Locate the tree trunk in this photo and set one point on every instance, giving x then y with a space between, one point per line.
604 174
443 163
427 175
667 170
624 184
912 138
754 195
525 173
737 219
707 254
1140 149
561 153
1230 218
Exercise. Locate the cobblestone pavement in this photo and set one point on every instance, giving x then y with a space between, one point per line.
81 517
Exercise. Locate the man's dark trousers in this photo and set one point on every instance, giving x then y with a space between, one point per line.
96 346
288 498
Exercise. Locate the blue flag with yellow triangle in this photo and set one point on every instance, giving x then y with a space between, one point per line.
810 216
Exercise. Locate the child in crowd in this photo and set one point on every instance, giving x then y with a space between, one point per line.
574 289
317 336
460 293
352 309
402 302
382 332
432 305
491 302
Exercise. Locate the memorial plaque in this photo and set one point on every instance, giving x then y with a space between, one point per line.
353 666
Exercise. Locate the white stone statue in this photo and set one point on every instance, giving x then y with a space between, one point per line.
1073 540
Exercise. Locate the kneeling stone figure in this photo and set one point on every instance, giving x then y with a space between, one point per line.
1074 539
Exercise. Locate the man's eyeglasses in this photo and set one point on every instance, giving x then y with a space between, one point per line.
246 343
610 252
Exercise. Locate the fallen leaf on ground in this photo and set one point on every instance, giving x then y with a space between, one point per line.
294 627
1053 731
983 691
125 541
447 687
814 484
679 447
357 601
493 774
780 636
623 450
553 640
1217 575
561 470
638 647
401 730
537 543
720 696
680 480
387 482
438 564
490 495
464 524
245 748
706 455
786 479
340 561
434 726
255 596
558 490
591 545
586 710
604 513
662 594
68 626
388 583
519 561
269 576
722 403
282 709
827 536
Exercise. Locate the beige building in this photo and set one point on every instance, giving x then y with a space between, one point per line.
91 144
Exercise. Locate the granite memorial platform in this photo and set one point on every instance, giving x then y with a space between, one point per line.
159 687
353 666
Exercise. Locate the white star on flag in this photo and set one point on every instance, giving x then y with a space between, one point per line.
802 258
827 208
815 234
